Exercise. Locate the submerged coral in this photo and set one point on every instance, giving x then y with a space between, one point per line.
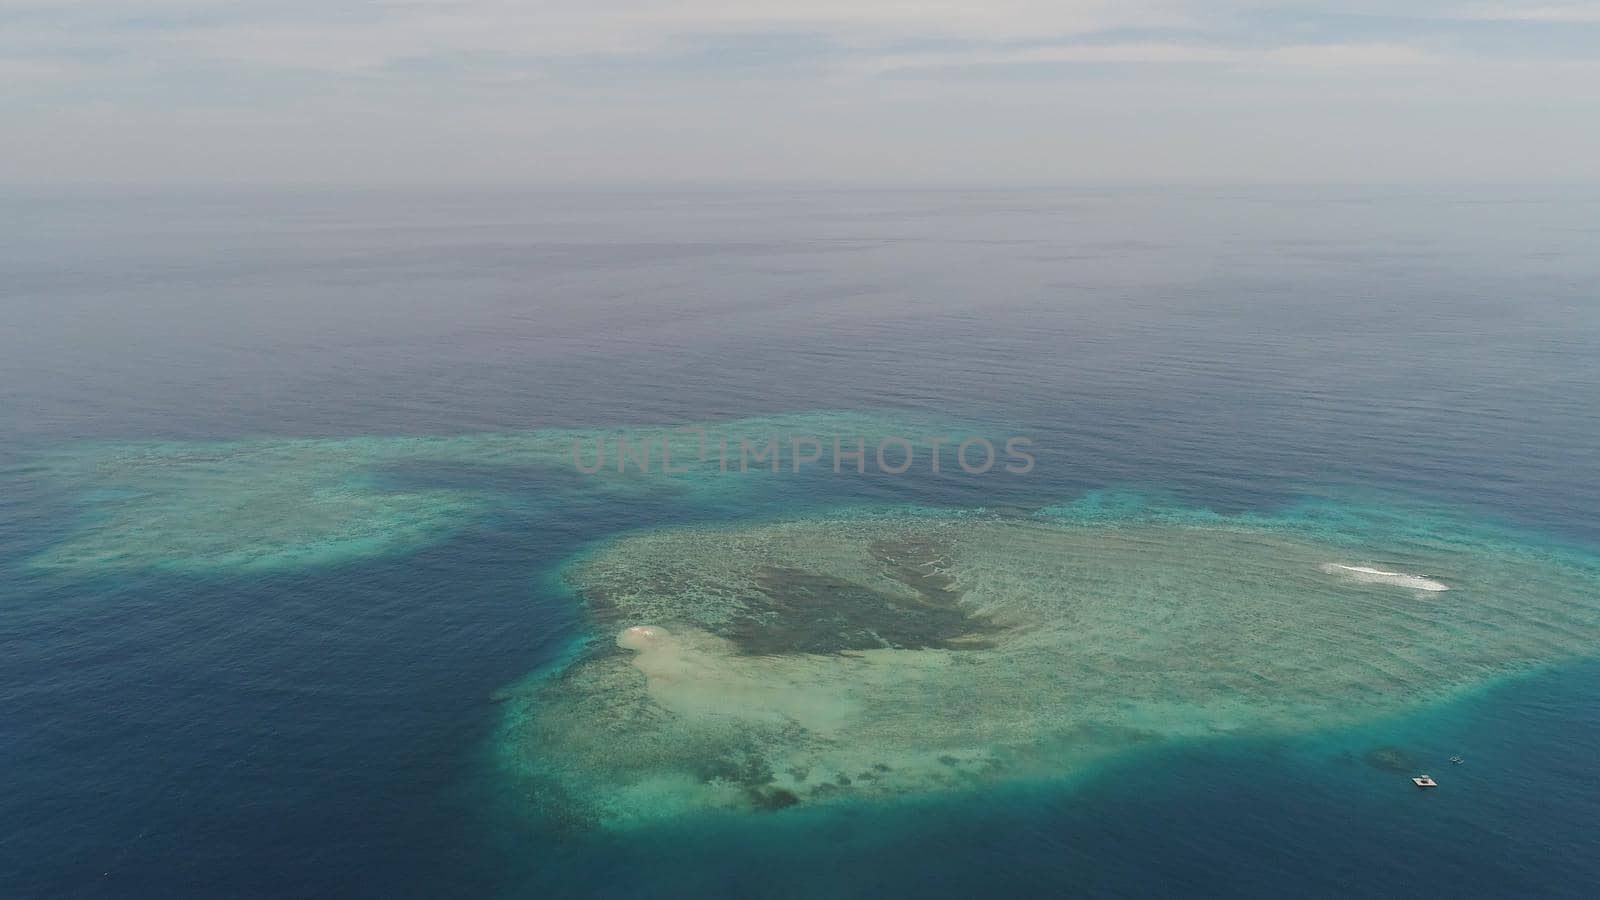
285 503
879 655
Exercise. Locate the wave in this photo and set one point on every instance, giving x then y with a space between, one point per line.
1367 575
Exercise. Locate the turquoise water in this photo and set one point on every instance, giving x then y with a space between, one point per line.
880 655
294 563
1254 818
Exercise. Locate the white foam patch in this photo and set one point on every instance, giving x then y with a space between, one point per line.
1367 575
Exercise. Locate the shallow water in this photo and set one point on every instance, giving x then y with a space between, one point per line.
289 547
736 687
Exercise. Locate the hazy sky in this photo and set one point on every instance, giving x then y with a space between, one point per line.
881 91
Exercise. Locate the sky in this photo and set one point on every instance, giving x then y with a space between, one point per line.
957 92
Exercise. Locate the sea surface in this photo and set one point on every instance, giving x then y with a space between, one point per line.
281 524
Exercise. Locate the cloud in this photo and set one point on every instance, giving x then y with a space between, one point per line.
405 89
1344 56
1566 13
379 36
1341 56
556 27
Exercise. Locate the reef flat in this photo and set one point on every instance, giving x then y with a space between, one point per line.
281 503
881 654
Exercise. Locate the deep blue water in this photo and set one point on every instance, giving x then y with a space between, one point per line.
322 731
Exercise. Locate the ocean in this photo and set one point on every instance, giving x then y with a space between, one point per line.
288 526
